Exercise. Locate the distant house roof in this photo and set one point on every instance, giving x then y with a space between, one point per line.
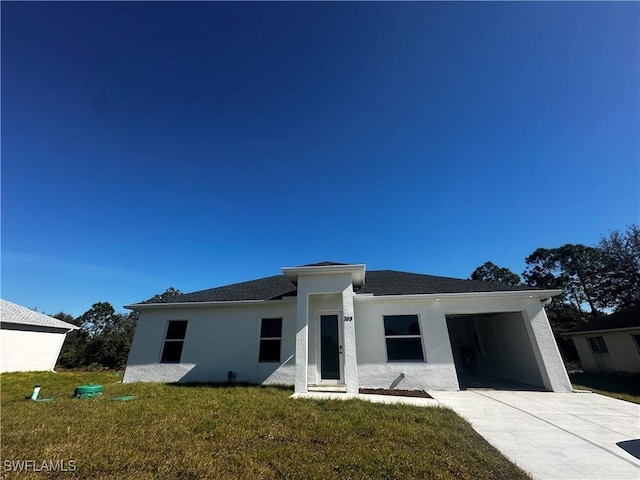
12 313
627 318
378 282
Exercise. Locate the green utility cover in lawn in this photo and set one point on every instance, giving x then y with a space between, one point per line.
124 398
87 391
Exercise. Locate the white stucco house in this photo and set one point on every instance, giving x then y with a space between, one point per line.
610 344
29 340
338 327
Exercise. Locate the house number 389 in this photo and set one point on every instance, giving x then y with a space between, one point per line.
348 319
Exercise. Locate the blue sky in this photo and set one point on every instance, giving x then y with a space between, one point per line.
148 145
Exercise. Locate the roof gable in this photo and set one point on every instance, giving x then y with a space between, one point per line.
13 313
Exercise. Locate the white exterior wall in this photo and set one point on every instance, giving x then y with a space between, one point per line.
226 337
29 350
545 349
218 339
623 355
438 372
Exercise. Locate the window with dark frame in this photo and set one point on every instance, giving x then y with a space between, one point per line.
174 341
270 340
402 335
598 345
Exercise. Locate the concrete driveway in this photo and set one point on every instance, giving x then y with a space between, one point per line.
568 436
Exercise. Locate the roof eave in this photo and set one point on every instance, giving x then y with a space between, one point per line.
68 326
219 303
540 294
604 330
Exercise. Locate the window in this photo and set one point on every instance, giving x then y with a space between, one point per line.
174 341
270 339
636 337
597 345
402 333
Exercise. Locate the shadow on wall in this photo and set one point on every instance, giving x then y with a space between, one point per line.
397 381
259 373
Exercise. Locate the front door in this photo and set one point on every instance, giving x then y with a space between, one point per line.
330 349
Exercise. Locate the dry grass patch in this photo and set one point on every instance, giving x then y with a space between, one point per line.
211 432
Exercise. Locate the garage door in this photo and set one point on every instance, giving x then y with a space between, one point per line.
493 350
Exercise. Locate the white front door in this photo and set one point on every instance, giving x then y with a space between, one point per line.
330 348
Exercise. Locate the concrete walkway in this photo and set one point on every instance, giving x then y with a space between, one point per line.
568 436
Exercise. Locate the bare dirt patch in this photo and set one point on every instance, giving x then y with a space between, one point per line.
396 393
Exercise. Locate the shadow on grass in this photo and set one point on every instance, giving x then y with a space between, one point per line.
623 384
287 388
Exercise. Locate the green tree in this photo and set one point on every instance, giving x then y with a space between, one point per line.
65 317
73 353
543 271
489 272
168 294
111 346
620 287
585 269
99 318
577 270
104 338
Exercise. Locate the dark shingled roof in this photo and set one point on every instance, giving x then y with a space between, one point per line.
378 282
269 288
391 282
627 318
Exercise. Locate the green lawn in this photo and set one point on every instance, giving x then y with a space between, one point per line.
218 432
624 387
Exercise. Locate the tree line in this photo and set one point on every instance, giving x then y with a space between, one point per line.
594 280
102 341
104 337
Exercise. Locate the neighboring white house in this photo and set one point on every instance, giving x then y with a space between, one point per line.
29 341
330 326
610 344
